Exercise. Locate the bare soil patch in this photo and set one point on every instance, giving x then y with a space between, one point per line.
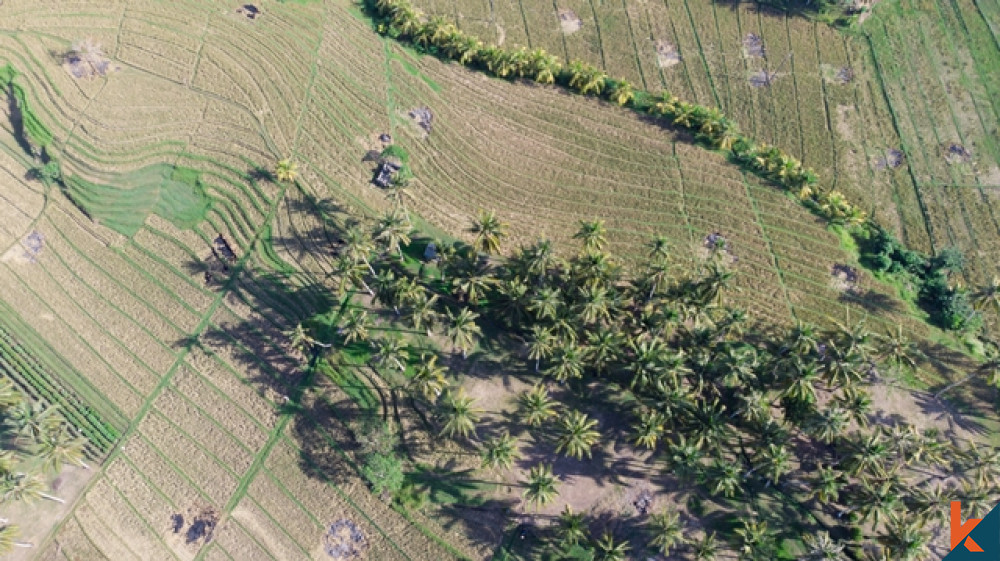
667 54
86 59
844 277
569 22
200 522
892 159
423 117
249 11
762 78
957 154
27 251
837 75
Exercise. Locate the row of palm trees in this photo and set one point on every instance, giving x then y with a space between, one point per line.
401 20
37 441
733 407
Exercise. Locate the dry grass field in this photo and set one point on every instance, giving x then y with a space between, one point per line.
195 374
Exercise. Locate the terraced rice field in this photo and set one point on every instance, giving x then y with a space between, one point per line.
194 374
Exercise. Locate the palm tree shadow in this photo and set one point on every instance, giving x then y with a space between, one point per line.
938 410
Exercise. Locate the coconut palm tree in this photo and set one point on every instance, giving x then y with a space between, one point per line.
8 538
857 403
821 547
585 78
355 327
546 303
571 528
541 344
500 451
428 378
595 304
649 429
667 531
541 485
622 93
537 406
32 420
829 424
23 487
58 447
393 231
604 347
757 542
987 296
705 549
607 549
898 350
10 396
472 286
577 435
489 231
390 353
463 331
286 170
568 362
300 341
358 246
460 414
904 540
593 234
423 312
543 67
726 478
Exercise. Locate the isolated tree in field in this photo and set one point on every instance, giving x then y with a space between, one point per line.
463 331
593 234
577 435
821 547
460 415
623 93
541 485
500 451
537 406
428 378
489 231
607 549
571 528
355 327
58 447
286 170
667 531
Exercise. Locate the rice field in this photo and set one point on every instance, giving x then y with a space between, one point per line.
186 362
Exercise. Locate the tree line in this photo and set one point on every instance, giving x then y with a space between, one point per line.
945 301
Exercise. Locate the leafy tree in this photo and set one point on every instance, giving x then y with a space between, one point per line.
384 473
541 485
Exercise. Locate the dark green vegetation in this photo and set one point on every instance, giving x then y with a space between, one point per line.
769 431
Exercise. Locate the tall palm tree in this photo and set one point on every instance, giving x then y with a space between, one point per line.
898 350
667 531
460 414
649 429
32 420
489 231
23 487
428 378
593 234
568 362
423 313
607 549
544 66
577 435
463 331
390 352
541 485
756 540
358 246
393 231
300 341
10 396
537 406
595 304
987 296
541 344
58 447
726 479
827 484
571 528
500 451
821 547
705 549
286 170
546 303
8 538
622 93
904 540
355 327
